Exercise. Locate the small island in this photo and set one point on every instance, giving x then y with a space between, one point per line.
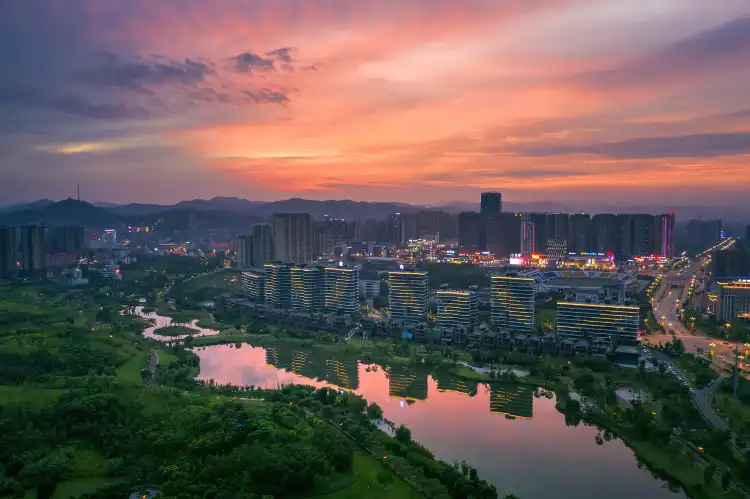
176 330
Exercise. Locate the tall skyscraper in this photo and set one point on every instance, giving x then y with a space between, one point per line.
307 288
262 244
732 263
586 321
540 230
644 232
278 285
7 252
67 240
491 204
504 234
342 289
407 297
472 231
702 234
558 225
292 237
244 248
606 233
625 237
665 239
457 309
32 249
512 302
528 239
579 237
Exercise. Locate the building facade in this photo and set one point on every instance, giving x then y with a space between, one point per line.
307 288
512 302
407 298
253 284
342 289
7 252
262 245
32 249
732 301
292 237
457 309
585 321
243 248
666 238
278 285
491 204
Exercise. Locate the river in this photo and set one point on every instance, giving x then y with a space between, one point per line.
512 434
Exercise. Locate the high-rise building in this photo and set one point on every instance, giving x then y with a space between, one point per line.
407 297
244 248
67 240
307 288
665 235
7 252
457 309
262 244
109 236
586 321
528 239
292 237
732 263
491 204
558 225
557 249
606 233
253 284
32 249
644 231
278 284
702 234
342 289
732 301
625 237
504 234
579 236
540 230
512 302
512 399
472 231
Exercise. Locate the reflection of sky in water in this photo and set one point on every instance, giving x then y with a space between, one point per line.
539 457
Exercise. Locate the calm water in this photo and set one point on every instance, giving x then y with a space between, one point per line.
534 455
164 321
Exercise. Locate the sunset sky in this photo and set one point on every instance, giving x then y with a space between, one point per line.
420 101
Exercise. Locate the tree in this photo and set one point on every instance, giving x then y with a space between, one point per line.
374 411
403 434
46 489
725 478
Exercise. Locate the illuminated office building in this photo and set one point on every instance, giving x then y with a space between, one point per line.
587 321
407 298
342 289
307 289
512 302
253 284
457 309
278 285
733 300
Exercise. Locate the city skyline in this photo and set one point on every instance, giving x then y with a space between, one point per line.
430 102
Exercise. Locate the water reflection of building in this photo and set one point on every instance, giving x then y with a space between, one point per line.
316 365
450 383
512 400
406 383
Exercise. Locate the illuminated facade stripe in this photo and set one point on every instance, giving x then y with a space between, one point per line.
733 300
512 302
253 284
342 290
278 285
407 298
307 289
585 321
457 309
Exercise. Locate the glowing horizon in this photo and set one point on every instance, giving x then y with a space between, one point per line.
422 102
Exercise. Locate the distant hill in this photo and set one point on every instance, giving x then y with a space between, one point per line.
66 212
41 203
339 209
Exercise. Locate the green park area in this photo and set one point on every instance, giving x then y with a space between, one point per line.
175 330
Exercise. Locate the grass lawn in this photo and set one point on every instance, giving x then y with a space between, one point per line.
28 395
75 487
367 486
698 372
734 412
131 369
469 373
